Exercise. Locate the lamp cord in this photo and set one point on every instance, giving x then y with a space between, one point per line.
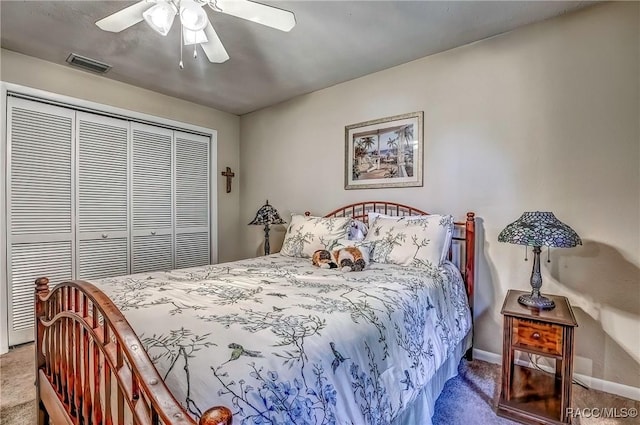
534 363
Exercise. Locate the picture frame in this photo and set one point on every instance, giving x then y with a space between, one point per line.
383 153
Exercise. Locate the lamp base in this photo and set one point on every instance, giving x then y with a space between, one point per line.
267 248
539 302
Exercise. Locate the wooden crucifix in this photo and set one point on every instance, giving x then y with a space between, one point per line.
229 175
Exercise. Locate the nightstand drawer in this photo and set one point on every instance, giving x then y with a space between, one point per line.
545 337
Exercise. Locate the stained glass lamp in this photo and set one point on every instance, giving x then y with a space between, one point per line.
537 229
266 216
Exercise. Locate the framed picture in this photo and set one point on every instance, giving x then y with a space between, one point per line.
386 152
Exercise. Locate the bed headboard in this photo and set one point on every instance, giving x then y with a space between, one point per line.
461 252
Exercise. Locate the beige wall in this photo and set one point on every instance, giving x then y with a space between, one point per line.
31 72
542 118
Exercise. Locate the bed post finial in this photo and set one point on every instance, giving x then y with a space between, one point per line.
42 290
42 285
218 415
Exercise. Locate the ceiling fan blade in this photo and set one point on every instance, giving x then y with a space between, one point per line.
124 18
213 48
273 17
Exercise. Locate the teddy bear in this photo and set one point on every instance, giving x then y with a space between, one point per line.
357 230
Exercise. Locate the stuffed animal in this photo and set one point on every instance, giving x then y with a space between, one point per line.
347 259
357 230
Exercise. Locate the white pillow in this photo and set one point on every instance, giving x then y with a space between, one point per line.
374 215
419 242
307 234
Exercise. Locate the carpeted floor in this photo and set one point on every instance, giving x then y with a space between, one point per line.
17 390
472 397
469 398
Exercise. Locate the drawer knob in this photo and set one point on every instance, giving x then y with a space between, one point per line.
105 236
535 335
153 233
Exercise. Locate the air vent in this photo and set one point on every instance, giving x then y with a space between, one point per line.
88 63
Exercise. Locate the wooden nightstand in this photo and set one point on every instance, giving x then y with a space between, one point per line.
529 395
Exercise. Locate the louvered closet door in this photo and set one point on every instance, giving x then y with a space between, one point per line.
192 200
102 205
39 196
152 198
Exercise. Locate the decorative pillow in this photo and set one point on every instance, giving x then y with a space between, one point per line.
418 242
357 230
306 235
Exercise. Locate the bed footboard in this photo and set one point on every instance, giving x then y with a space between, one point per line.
91 367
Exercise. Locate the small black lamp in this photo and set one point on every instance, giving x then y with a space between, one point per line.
266 216
536 229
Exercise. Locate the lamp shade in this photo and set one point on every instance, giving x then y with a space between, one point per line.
540 229
267 215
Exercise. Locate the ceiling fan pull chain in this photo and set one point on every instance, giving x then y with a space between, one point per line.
181 65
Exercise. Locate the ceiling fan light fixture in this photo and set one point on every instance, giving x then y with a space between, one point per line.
195 25
160 17
192 15
193 37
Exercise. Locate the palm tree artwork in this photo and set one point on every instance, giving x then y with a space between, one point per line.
363 155
405 153
386 152
393 144
368 142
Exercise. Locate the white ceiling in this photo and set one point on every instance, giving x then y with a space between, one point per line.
333 41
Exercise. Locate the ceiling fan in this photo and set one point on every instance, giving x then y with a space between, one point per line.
196 27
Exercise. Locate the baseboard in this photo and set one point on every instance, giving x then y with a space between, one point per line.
589 381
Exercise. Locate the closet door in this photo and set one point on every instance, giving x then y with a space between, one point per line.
102 206
39 201
152 189
192 241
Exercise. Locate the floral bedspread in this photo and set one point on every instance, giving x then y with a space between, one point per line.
279 341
